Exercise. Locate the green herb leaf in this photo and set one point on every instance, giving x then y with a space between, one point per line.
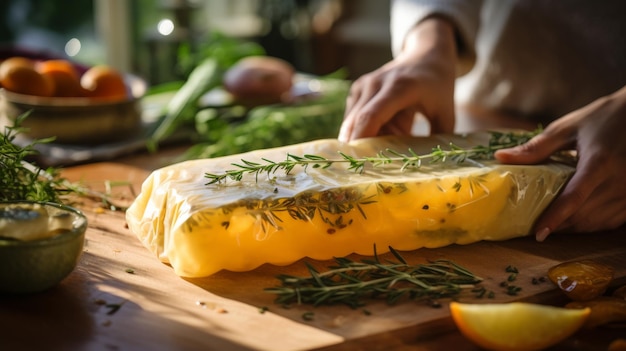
20 180
350 282
498 141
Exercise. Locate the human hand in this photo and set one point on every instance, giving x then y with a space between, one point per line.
594 199
421 79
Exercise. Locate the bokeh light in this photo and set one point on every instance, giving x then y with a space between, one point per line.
165 27
72 47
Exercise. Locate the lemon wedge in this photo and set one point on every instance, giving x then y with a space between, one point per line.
516 325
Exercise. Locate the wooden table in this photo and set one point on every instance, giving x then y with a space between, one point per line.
120 297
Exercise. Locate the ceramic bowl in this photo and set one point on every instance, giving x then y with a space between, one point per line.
36 265
76 120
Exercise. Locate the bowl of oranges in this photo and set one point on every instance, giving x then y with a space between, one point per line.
70 102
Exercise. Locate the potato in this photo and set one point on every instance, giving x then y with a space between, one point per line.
260 80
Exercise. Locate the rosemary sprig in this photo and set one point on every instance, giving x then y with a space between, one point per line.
410 160
351 282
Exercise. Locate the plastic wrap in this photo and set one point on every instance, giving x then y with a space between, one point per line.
323 213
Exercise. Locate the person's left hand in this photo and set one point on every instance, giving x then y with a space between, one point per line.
594 199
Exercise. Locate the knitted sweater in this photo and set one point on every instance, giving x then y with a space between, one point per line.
536 58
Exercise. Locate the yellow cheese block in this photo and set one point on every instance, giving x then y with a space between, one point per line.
321 213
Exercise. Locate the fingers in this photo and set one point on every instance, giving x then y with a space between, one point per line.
560 215
353 96
376 107
593 200
391 110
400 124
442 122
557 136
361 92
597 214
564 206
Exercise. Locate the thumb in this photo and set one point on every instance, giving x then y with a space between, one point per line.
442 122
536 150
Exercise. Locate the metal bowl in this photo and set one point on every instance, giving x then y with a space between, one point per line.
76 120
30 266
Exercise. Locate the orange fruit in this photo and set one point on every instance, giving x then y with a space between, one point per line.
64 76
516 325
104 82
18 74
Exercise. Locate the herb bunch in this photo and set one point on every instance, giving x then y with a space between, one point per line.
409 160
20 180
351 283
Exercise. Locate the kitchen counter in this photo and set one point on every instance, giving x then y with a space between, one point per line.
121 297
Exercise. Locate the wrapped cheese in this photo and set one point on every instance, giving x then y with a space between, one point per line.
325 212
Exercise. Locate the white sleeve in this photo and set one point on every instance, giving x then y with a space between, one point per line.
464 14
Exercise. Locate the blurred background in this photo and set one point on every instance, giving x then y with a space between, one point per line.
145 36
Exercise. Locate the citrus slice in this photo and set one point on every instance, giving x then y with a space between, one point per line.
516 325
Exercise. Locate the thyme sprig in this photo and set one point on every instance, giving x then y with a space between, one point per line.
409 160
20 180
351 282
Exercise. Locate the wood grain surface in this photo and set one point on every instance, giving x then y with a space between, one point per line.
120 297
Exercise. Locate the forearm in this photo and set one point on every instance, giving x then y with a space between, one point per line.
435 37
463 15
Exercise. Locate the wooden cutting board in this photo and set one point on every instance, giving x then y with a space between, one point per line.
121 297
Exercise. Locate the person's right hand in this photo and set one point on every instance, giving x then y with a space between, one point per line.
594 199
420 80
